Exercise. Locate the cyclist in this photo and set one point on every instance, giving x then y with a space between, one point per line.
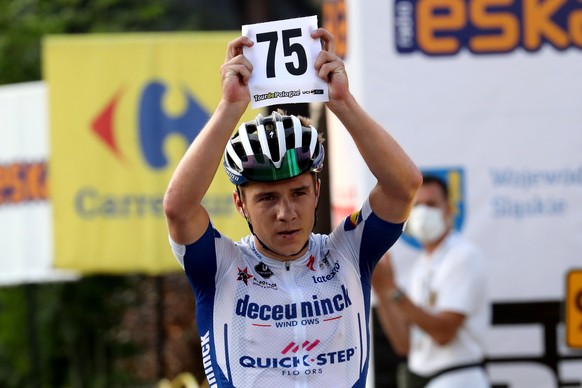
284 306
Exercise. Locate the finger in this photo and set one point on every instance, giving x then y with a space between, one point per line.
241 71
329 69
244 75
327 39
239 60
324 57
240 65
235 47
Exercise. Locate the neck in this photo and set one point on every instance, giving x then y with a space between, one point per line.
431 247
265 250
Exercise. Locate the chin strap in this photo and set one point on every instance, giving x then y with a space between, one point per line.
280 254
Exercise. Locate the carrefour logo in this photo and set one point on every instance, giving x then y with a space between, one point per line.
154 124
154 127
444 27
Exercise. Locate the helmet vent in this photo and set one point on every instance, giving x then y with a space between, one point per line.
273 142
306 138
272 148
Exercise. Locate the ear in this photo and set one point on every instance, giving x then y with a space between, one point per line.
317 191
238 203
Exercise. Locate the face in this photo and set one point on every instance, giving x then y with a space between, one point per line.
281 213
431 194
427 230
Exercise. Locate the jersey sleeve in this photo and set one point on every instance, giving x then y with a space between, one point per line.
365 237
206 260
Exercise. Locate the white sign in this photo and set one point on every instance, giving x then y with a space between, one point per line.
503 113
26 254
283 59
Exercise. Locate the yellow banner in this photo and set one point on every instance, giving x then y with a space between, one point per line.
123 109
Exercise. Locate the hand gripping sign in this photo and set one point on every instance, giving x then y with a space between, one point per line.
283 59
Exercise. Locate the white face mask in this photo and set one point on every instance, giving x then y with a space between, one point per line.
426 224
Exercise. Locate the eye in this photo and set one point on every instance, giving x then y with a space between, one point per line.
266 197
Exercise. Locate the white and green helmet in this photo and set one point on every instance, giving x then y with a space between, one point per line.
272 148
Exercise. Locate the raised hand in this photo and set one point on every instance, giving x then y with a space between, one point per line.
330 67
236 71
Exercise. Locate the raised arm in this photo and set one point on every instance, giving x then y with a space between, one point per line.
186 217
398 177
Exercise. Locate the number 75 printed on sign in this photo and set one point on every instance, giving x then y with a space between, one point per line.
283 59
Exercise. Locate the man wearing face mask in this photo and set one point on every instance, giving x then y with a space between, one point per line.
439 321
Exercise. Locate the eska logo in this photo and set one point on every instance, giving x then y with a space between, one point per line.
23 182
444 27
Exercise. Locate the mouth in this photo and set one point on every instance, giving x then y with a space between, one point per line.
288 233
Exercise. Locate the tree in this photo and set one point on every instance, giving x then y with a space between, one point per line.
23 23
82 340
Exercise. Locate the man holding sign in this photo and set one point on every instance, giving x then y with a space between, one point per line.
284 307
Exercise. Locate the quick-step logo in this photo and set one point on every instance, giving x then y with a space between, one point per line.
292 358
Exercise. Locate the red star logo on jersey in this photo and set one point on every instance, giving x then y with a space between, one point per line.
244 275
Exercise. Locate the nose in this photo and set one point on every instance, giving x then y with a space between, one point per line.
286 210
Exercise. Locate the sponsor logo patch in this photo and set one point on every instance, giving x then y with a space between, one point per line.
263 270
244 275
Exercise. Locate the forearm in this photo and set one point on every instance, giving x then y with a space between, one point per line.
398 177
394 324
195 172
441 327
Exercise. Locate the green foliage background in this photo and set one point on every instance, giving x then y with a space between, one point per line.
24 22
70 334
73 337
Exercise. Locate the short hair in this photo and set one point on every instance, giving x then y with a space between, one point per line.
431 178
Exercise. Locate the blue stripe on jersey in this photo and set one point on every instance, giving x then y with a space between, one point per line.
200 262
375 230
361 383
200 267
226 355
361 342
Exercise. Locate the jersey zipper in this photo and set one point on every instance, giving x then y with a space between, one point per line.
299 331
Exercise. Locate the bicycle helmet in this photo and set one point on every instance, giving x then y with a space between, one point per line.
272 148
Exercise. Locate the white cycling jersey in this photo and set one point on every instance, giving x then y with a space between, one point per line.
301 323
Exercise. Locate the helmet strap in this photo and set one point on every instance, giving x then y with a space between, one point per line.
275 252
